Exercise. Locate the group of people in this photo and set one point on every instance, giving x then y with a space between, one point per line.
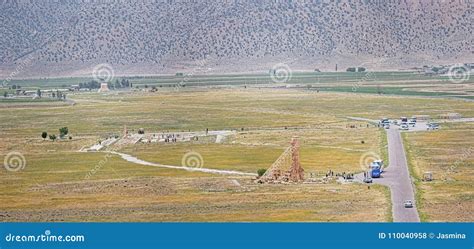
170 137
344 175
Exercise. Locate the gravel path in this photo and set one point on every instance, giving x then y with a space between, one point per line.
133 159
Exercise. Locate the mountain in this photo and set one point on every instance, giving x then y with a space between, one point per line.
60 38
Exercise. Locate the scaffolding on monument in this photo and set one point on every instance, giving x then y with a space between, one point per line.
287 168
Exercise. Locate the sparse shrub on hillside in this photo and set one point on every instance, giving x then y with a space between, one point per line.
253 30
261 172
52 137
44 135
63 131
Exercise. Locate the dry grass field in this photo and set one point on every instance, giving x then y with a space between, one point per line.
53 185
448 154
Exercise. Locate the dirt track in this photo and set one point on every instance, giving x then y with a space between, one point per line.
133 159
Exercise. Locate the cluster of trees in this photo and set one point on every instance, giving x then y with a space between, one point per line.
63 131
58 95
124 83
93 84
15 87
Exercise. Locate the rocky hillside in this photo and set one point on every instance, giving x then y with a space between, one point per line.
53 38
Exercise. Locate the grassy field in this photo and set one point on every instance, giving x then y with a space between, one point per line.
389 83
448 154
54 187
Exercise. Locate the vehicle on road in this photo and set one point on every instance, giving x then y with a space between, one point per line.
387 126
404 119
408 204
404 127
412 124
376 168
433 126
384 121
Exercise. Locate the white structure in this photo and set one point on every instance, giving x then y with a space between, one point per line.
103 87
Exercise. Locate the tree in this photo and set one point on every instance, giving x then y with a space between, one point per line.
63 131
44 135
52 137
5 94
260 172
379 89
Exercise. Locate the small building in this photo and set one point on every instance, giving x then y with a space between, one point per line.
422 117
451 115
74 88
103 87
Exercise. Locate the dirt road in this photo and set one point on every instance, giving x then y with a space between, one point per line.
397 178
133 159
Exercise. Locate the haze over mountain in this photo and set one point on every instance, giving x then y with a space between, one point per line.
62 38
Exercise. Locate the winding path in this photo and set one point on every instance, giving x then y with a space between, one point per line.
135 160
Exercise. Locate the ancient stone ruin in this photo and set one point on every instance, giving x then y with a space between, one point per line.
287 168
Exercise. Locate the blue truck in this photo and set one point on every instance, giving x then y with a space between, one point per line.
376 168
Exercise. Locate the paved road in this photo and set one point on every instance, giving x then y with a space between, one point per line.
397 178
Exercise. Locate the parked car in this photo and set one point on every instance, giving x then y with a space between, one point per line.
433 126
408 204
404 127
368 180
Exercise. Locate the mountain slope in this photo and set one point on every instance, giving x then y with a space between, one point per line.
146 37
